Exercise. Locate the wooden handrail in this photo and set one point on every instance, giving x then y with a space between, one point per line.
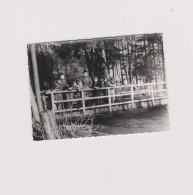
131 92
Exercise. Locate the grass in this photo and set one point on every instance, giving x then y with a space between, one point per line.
76 129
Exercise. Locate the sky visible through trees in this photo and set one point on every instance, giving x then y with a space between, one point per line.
129 59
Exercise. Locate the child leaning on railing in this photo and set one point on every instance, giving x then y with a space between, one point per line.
77 85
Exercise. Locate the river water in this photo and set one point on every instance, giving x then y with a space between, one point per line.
151 120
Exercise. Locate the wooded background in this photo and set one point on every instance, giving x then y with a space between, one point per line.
129 59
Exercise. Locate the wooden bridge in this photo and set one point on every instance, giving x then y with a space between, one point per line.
106 99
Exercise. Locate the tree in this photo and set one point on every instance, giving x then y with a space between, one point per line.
124 58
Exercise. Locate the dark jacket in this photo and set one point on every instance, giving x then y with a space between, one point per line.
62 86
104 84
57 85
95 84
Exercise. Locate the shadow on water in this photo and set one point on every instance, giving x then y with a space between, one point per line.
152 120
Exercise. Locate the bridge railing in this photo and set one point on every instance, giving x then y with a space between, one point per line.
64 101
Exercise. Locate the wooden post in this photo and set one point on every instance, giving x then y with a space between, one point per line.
152 95
36 78
53 104
132 96
83 102
34 107
109 96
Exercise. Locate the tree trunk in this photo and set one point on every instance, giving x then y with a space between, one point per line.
149 63
154 62
34 106
53 123
131 63
128 69
163 61
36 78
89 64
145 61
136 67
50 134
44 116
120 61
159 63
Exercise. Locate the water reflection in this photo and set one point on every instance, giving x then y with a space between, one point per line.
152 120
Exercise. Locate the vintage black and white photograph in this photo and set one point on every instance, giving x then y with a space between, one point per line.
98 87
96 97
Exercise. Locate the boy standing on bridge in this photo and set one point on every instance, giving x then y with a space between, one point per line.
86 80
57 86
95 93
87 83
112 90
63 81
